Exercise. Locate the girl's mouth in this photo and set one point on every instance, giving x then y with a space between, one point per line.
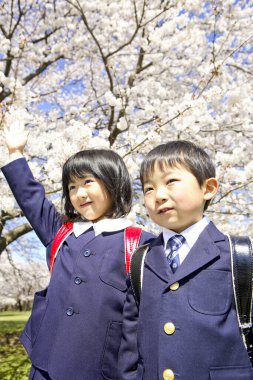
85 204
164 210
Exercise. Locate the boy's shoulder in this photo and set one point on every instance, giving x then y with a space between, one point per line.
213 232
212 238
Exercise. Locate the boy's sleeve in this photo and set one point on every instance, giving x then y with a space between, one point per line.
128 354
30 196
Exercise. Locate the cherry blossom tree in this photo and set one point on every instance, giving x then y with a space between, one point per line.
129 74
19 279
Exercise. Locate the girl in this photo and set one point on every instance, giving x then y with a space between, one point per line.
74 330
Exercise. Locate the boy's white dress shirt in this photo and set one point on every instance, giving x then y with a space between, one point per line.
191 235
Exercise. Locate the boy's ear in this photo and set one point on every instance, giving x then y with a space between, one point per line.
210 188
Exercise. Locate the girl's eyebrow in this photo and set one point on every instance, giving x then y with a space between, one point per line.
84 176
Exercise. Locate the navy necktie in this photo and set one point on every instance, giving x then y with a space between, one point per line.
172 246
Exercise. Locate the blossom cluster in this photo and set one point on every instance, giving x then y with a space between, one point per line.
130 74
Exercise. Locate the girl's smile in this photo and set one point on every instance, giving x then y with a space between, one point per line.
85 204
89 197
164 210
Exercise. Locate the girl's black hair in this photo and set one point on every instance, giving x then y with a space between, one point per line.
105 165
179 152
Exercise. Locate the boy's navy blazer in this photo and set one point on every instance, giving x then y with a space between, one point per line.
75 327
187 322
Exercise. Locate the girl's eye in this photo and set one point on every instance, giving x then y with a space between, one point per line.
88 180
71 187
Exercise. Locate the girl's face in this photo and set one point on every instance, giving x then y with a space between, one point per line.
89 197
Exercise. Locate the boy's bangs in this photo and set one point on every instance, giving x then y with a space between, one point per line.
162 163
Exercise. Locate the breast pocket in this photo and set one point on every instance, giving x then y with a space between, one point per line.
140 371
210 292
231 373
113 270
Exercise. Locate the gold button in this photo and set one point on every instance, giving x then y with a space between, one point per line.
174 286
169 328
168 374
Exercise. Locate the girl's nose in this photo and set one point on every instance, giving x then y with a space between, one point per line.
161 194
81 192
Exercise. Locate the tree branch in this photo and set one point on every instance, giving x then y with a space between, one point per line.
238 187
40 69
240 68
157 129
14 234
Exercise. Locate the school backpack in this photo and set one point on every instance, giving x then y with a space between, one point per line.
131 240
242 275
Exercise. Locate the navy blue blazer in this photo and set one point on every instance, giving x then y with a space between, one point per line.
75 326
186 326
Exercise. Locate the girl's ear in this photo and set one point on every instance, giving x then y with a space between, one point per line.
211 186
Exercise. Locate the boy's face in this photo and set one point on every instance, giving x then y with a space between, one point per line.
174 199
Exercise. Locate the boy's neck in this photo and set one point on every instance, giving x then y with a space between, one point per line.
191 233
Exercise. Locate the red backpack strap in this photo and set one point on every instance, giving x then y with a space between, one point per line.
132 238
61 235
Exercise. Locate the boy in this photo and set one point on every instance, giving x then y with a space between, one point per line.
186 325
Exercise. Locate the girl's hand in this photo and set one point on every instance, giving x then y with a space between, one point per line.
15 137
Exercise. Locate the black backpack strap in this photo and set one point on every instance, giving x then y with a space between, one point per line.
136 270
242 273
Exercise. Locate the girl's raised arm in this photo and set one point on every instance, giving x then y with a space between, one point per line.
16 138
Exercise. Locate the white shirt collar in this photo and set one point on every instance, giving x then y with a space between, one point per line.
103 225
191 233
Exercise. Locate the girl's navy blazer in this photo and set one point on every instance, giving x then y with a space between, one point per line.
74 331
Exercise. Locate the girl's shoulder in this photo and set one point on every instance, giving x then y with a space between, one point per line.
147 237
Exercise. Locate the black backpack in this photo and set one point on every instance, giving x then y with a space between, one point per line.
242 275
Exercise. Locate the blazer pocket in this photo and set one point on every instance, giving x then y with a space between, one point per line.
210 292
113 270
111 351
140 371
38 312
231 373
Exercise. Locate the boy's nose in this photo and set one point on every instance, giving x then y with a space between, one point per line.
161 194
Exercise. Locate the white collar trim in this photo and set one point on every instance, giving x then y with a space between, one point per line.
103 225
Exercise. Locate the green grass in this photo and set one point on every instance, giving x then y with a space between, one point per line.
14 362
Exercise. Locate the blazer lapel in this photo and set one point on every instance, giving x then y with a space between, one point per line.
204 251
156 260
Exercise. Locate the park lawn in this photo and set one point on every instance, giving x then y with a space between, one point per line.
14 362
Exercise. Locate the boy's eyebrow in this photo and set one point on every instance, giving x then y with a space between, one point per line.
147 180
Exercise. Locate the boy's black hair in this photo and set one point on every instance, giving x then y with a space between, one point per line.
179 152
105 165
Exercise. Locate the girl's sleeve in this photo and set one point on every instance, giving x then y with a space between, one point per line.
30 196
128 363
146 237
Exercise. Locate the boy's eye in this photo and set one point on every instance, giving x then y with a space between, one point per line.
171 180
148 189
